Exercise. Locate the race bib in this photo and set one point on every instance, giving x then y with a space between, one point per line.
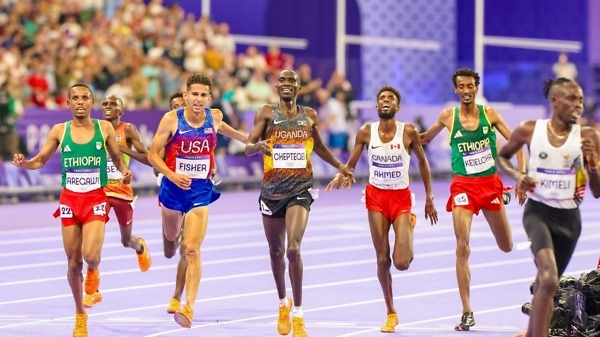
289 156
65 211
478 161
111 170
558 184
195 167
82 180
461 199
100 209
387 174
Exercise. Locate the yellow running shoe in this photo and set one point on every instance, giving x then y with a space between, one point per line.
390 323
90 300
413 219
299 330
284 324
184 317
174 306
144 259
92 281
80 329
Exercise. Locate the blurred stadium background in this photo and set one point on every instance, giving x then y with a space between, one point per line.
344 50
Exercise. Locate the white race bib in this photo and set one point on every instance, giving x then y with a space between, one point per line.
195 167
387 174
478 161
111 170
555 184
289 156
82 180
65 211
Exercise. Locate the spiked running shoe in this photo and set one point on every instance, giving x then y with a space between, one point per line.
144 259
90 300
299 330
80 329
174 306
284 324
466 322
184 317
92 281
390 323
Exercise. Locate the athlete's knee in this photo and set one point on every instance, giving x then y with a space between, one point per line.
75 266
92 260
293 253
547 282
192 251
384 262
462 249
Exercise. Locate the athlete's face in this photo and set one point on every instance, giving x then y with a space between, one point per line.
197 97
111 108
287 85
387 105
567 102
466 89
80 101
177 103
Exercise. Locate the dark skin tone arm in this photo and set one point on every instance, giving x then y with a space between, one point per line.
134 140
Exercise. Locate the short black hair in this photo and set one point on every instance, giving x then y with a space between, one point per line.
176 95
466 72
389 88
198 79
80 85
549 83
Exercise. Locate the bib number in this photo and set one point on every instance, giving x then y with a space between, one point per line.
65 211
100 209
289 156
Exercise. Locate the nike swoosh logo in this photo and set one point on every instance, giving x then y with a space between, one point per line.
181 132
301 198
375 147
278 122
198 203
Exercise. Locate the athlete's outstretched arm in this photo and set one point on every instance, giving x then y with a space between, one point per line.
444 121
141 151
362 139
417 148
520 136
45 153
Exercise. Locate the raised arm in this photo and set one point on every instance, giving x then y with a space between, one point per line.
48 149
444 121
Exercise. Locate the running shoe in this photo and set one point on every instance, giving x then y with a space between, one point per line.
466 322
184 317
92 281
144 259
299 330
413 219
284 324
90 300
390 323
506 197
174 306
80 329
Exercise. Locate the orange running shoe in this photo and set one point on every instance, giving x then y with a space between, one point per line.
80 329
299 330
413 219
90 300
174 306
284 324
390 323
144 259
92 281
184 317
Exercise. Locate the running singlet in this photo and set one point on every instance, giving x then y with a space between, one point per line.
288 172
389 162
115 187
559 170
473 152
191 150
83 165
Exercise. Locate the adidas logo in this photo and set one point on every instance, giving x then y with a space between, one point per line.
67 148
496 201
457 134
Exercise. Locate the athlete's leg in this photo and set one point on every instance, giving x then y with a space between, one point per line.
124 214
296 219
500 227
462 219
171 221
545 288
403 255
181 271
194 231
380 227
72 238
275 235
